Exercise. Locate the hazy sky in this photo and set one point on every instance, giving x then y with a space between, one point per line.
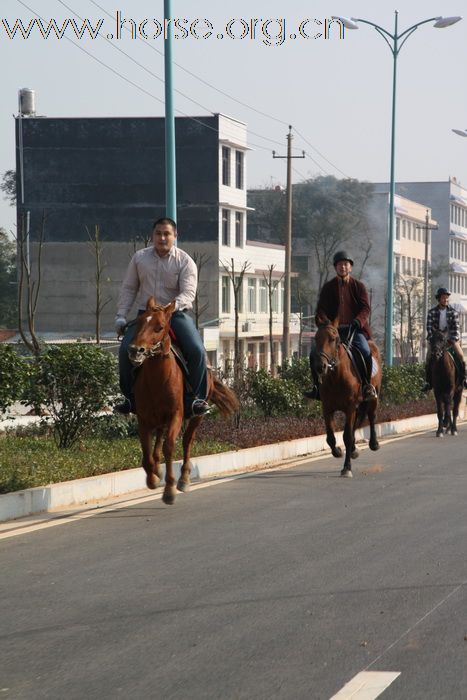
336 93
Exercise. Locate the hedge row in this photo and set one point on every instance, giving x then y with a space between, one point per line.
73 382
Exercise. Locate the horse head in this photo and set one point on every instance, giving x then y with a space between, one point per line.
152 335
438 344
327 342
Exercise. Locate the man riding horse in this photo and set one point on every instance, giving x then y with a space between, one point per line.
444 318
168 273
346 298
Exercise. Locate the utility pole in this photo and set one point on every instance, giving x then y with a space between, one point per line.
288 247
426 228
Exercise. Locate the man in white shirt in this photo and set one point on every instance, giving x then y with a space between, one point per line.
167 273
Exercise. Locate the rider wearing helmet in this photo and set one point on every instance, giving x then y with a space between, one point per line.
347 298
445 318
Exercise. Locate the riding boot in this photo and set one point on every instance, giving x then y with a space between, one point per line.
463 375
368 390
313 393
427 386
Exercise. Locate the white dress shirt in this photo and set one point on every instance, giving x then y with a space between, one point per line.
171 277
443 323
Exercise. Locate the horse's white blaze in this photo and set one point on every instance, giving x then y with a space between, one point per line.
149 318
366 685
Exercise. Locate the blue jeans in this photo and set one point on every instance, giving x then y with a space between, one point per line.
359 341
191 345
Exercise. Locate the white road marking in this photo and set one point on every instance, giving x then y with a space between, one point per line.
366 685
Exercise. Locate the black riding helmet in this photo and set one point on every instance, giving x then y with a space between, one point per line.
341 255
440 291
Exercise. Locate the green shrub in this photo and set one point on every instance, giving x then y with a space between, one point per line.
402 383
14 372
73 382
275 396
297 371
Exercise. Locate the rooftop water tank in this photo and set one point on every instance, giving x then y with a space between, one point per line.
27 102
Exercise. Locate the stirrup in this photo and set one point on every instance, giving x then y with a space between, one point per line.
312 393
200 407
369 392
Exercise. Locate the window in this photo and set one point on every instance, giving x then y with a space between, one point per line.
275 298
398 264
404 229
239 295
225 227
263 297
238 229
252 295
225 166
239 158
225 295
398 229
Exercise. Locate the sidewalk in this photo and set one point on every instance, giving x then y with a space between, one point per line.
93 490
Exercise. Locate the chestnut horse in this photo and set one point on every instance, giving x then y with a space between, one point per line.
446 387
159 390
340 390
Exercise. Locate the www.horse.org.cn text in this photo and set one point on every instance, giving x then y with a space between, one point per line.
270 32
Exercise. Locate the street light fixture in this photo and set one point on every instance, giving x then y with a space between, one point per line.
459 132
392 41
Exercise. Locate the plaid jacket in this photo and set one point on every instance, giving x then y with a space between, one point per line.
452 320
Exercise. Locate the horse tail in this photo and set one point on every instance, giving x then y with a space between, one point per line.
362 411
223 397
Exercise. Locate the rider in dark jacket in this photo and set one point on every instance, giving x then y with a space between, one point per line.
346 298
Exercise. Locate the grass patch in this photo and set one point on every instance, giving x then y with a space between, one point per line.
26 462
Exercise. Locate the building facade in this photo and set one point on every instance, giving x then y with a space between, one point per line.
447 201
107 175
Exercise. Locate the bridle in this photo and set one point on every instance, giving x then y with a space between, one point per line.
439 348
331 360
159 349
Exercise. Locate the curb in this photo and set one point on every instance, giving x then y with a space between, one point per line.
82 491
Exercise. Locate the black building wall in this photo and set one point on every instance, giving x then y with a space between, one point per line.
111 171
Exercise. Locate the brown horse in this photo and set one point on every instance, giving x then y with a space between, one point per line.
340 390
159 389
446 387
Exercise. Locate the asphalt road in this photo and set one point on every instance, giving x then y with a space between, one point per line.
280 584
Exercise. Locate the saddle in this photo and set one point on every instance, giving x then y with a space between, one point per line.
457 365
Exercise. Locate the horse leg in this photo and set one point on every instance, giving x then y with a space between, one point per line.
455 411
373 442
330 437
157 454
349 441
170 490
439 410
183 483
145 437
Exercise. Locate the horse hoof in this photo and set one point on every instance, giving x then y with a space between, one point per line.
347 473
355 454
183 486
336 452
168 498
454 432
374 445
151 481
439 434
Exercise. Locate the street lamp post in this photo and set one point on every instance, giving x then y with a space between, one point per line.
392 41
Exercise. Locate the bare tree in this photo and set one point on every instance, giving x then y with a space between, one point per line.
198 307
29 283
96 246
304 299
409 314
8 186
236 278
272 286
